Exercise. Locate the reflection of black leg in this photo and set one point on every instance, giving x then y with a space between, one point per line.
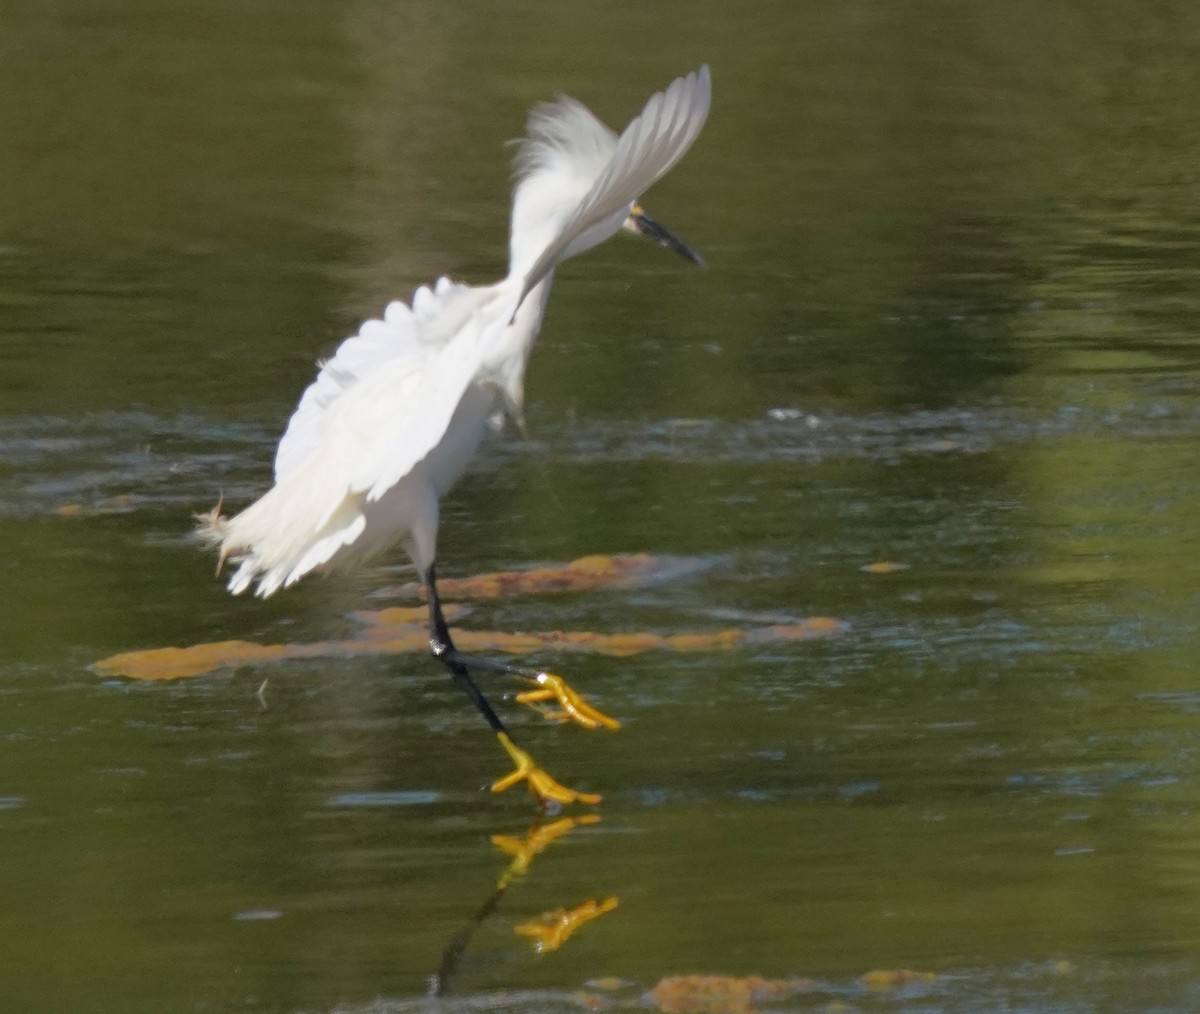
523 851
439 983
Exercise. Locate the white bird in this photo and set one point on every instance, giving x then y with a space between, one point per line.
395 416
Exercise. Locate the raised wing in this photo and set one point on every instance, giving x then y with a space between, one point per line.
377 409
650 146
403 333
453 363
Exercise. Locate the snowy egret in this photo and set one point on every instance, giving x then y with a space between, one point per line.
396 414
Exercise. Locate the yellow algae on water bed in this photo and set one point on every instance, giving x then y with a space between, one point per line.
584 574
884 567
177 663
721 994
814 626
402 629
121 504
399 621
198 659
892 978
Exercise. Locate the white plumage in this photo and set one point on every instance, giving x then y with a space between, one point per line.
395 416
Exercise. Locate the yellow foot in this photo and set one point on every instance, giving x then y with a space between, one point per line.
555 928
572 707
544 788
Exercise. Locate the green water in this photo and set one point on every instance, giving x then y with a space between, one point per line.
948 321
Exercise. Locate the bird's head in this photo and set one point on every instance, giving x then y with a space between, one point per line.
642 224
578 183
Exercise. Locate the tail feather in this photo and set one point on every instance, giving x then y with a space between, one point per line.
378 408
297 526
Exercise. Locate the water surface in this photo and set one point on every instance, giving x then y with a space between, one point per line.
948 323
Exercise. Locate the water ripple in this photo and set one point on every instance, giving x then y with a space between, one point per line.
48 462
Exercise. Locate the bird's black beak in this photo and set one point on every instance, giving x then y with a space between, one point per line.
641 223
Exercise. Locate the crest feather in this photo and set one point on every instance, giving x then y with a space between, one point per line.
564 136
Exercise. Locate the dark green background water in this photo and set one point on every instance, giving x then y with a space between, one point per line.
949 320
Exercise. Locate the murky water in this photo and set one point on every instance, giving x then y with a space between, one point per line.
948 324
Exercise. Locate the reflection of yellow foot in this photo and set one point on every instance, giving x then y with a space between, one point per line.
573 707
544 788
539 837
555 928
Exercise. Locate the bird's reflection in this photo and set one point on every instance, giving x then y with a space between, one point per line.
555 928
548 932
539 836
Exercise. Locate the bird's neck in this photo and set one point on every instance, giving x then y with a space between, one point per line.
506 362
542 204
526 246
533 307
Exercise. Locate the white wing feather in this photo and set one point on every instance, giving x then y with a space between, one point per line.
402 333
446 373
377 409
649 147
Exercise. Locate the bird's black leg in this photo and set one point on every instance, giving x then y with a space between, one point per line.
443 649
547 686
544 788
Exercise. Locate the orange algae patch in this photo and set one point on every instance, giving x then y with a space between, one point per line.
176 663
493 640
891 978
721 994
626 644
408 638
120 504
814 626
381 624
884 567
720 640
598 571
179 663
608 983
397 616
396 643
402 629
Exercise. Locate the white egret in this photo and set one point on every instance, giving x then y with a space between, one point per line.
395 416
